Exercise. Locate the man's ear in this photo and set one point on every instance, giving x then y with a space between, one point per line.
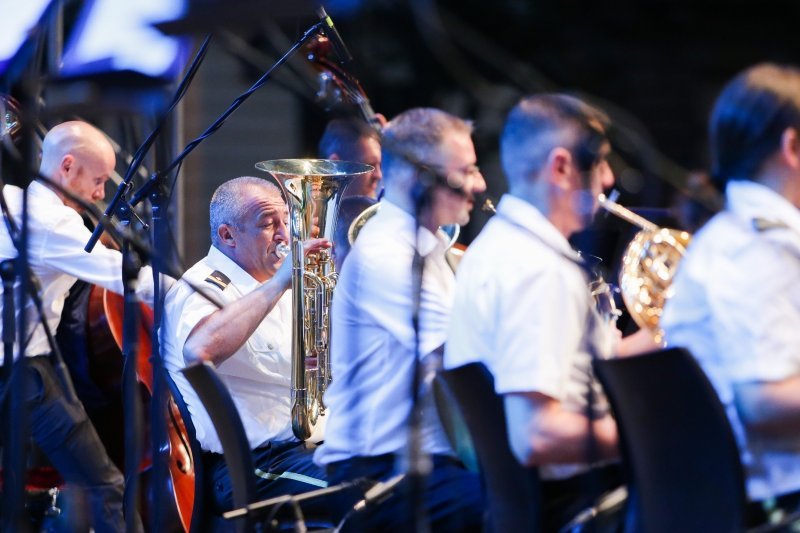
67 166
790 147
225 234
559 166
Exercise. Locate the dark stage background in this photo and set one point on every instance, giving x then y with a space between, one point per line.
654 66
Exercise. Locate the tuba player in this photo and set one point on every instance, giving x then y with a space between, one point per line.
248 339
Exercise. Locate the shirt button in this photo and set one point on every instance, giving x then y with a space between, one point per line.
270 346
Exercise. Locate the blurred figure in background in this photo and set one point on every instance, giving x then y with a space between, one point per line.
429 160
523 306
352 139
736 304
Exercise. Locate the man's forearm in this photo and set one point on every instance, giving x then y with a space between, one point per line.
770 408
543 432
219 335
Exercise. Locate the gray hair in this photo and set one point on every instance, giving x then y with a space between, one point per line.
227 202
417 133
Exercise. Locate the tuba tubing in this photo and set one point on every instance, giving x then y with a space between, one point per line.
313 190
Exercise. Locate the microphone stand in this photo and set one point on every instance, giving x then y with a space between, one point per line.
132 411
14 452
130 269
12 495
145 190
138 157
419 464
274 504
158 189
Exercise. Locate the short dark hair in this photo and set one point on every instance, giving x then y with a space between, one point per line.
341 135
542 122
749 118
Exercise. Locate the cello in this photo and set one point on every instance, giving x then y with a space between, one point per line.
106 311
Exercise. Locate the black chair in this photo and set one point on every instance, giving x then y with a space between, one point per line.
679 451
225 417
513 491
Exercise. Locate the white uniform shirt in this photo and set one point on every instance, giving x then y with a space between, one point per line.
521 309
57 237
736 307
257 375
372 340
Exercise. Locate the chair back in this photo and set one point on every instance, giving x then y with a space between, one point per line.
224 416
680 454
513 491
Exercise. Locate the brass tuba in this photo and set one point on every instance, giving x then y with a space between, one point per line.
648 267
313 189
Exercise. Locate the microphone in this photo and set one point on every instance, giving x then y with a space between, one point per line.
333 36
378 492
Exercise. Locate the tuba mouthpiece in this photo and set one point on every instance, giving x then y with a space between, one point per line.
282 249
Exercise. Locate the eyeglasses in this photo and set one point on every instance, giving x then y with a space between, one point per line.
456 179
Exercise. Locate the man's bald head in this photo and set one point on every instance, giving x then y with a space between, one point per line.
77 156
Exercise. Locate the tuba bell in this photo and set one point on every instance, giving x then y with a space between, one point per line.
313 190
648 267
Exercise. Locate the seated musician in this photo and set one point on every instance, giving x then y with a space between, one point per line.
248 339
736 304
373 348
523 307
79 158
352 139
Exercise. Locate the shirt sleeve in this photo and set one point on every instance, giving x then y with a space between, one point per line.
61 247
186 309
757 305
540 319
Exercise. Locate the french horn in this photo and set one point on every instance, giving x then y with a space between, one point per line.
648 266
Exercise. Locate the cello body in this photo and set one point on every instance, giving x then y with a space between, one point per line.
106 311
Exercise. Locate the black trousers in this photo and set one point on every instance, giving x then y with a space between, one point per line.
282 467
62 430
453 497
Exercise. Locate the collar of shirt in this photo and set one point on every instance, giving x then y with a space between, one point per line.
243 281
426 241
41 190
749 200
523 214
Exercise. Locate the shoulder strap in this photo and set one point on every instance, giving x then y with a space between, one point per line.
218 279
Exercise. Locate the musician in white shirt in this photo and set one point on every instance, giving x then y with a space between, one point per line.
736 303
79 158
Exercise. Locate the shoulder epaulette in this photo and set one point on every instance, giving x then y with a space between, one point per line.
219 279
764 224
